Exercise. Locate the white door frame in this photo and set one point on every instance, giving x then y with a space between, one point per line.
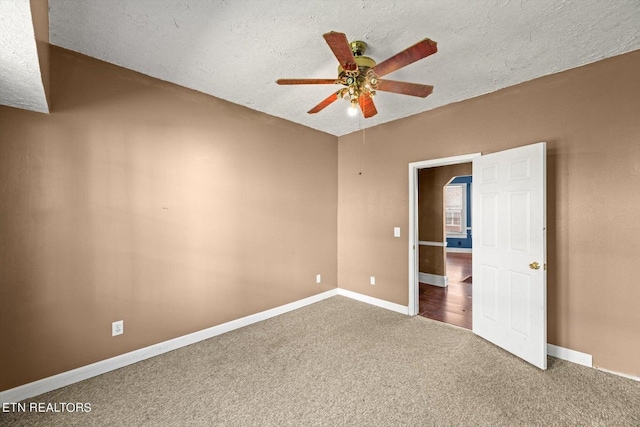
413 219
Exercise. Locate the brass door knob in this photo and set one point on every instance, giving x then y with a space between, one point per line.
534 266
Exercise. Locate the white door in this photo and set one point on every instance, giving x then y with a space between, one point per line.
509 251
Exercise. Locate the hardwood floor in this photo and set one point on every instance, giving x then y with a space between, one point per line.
451 304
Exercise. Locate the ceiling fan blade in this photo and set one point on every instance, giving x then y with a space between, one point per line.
307 81
420 50
367 106
405 88
340 47
324 103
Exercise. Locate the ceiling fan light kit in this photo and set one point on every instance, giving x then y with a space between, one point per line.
360 75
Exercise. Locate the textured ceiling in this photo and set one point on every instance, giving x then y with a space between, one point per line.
20 79
235 50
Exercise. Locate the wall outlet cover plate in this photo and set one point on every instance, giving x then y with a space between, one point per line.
117 328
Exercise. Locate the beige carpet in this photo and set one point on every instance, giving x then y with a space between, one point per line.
344 363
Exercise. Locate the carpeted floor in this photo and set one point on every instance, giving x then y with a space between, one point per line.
344 363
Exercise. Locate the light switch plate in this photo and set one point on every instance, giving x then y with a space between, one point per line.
396 231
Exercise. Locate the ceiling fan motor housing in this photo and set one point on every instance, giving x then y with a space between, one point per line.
363 62
358 48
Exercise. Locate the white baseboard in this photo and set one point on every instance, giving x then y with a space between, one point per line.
402 309
574 356
76 375
620 374
581 359
433 279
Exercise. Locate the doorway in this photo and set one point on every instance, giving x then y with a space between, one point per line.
444 244
414 240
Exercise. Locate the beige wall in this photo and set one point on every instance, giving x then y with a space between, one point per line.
590 119
431 182
143 201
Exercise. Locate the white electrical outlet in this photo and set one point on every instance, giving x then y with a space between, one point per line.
372 280
396 231
318 278
117 328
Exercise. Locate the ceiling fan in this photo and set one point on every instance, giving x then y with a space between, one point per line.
360 75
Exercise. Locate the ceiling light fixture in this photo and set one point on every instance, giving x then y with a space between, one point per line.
360 75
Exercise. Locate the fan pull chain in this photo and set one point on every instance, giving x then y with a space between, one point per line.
363 141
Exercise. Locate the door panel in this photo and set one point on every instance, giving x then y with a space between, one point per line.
489 297
509 293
